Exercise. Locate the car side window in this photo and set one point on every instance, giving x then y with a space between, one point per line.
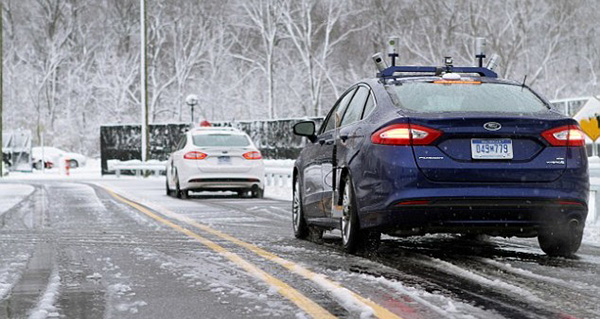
356 106
329 123
369 107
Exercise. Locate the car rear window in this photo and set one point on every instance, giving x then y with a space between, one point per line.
219 140
482 97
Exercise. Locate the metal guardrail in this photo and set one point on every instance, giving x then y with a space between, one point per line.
278 176
138 167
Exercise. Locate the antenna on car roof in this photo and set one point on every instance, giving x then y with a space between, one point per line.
480 50
493 62
394 71
523 84
393 48
379 61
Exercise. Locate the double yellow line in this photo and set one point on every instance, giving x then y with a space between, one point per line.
296 297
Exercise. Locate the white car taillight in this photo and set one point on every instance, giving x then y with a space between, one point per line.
195 155
254 155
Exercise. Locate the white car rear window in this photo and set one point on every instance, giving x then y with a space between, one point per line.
220 140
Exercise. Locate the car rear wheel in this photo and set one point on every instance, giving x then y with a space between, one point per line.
562 240
298 221
258 192
353 237
168 189
180 193
349 226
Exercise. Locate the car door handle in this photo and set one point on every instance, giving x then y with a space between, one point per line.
327 142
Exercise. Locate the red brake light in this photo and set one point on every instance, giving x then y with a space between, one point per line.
194 155
405 134
568 135
254 155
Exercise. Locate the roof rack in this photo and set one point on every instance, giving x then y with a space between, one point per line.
393 48
390 71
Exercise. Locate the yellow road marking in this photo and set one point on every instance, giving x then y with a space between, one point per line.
321 280
304 303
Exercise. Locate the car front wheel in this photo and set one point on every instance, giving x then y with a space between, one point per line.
561 240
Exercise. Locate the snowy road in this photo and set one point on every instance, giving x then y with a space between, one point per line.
123 249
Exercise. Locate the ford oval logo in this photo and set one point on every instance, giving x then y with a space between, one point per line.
492 126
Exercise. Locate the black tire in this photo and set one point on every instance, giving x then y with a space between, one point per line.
185 194
168 189
178 191
561 240
258 193
298 222
242 194
349 224
353 238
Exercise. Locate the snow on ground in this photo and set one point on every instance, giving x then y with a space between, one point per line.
277 187
90 171
45 307
12 194
9 273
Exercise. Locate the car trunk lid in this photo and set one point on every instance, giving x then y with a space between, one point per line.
501 148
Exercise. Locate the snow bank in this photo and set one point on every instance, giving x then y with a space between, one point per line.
12 194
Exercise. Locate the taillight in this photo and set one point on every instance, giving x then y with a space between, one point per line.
568 135
195 155
405 134
254 155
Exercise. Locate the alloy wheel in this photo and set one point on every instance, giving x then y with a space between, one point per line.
346 214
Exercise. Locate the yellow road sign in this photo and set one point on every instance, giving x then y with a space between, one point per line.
590 127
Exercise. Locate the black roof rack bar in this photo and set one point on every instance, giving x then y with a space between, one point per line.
389 72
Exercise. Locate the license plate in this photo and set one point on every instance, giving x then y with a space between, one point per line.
491 148
224 160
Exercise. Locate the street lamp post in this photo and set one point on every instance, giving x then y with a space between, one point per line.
144 81
192 100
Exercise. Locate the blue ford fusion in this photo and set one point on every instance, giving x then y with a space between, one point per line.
442 150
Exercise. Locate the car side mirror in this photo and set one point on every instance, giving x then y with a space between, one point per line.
306 128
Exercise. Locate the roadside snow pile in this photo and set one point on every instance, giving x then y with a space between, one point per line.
12 194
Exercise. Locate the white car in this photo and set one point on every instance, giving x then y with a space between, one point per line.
215 159
53 156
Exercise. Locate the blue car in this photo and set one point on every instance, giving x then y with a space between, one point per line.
420 150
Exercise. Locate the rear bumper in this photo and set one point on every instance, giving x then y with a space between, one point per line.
502 208
223 183
493 216
221 178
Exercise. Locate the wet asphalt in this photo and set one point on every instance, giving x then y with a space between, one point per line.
73 250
